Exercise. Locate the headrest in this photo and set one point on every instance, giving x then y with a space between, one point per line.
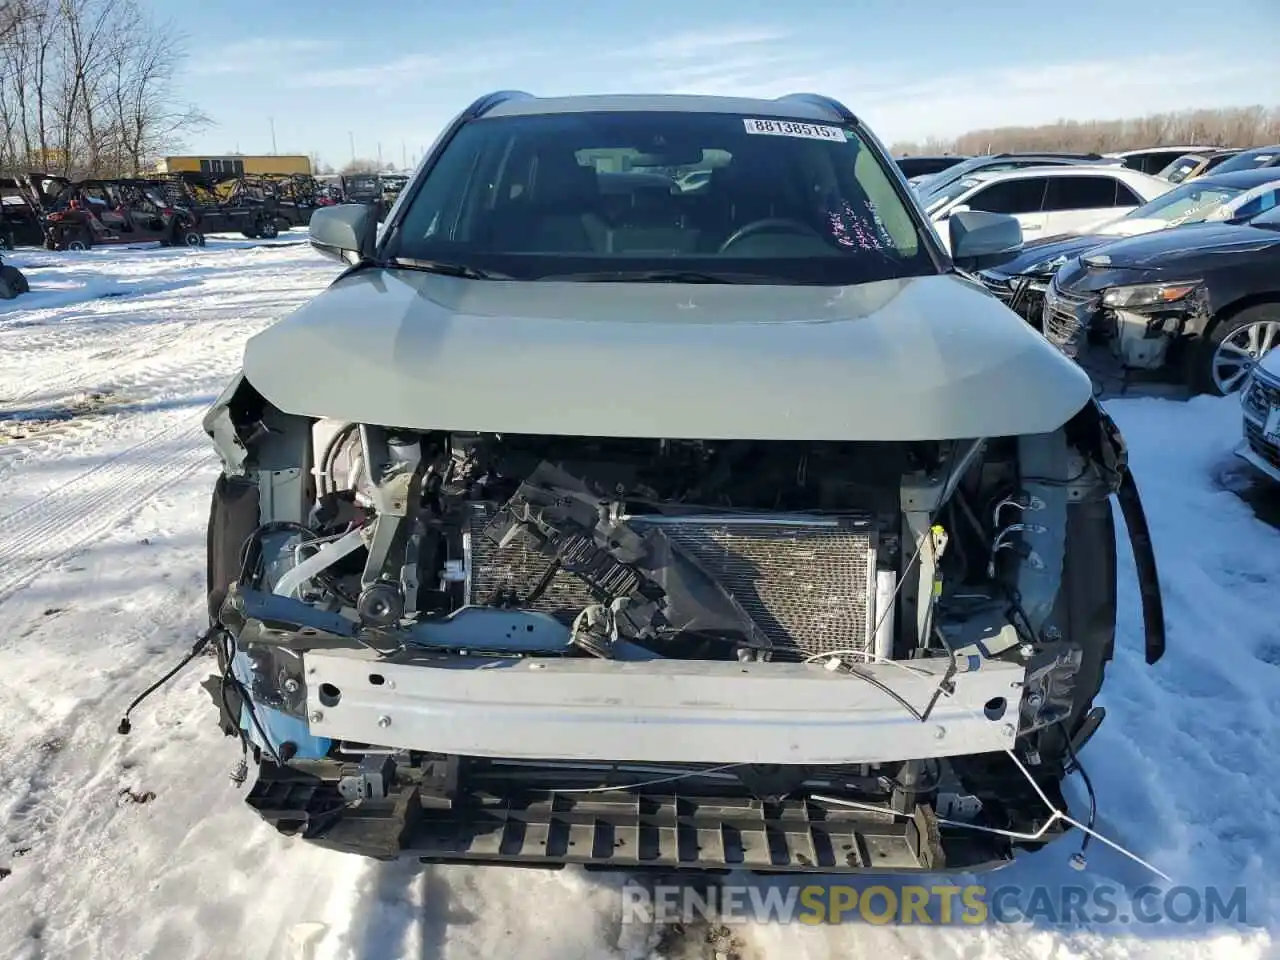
562 177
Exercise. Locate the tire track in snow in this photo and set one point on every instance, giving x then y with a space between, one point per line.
191 357
125 328
164 370
66 518
116 344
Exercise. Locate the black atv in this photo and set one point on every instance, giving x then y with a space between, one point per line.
222 208
19 215
12 281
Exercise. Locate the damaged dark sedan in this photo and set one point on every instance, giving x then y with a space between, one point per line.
1023 280
701 522
1197 306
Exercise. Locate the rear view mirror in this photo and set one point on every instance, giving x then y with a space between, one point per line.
980 239
343 232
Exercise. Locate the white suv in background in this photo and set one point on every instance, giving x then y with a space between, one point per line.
1048 200
1261 402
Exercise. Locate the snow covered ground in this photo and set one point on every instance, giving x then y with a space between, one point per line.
115 847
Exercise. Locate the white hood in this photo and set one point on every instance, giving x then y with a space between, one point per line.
919 359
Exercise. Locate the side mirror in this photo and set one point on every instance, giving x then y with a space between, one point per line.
343 232
980 239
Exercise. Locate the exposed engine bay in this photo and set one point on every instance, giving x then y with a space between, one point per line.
746 551
482 646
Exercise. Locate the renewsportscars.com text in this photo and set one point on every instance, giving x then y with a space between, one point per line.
934 904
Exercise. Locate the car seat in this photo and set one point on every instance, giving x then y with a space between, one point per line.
557 213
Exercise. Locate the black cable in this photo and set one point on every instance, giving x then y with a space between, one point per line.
1054 482
1088 785
202 641
228 676
885 688
1025 631
255 539
328 453
965 568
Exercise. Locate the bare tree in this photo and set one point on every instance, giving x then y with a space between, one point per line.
141 73
359 166
86 87
318 165
1230 127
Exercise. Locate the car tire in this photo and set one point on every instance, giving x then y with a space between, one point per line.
191 237
270 229
1211 364
6 289
80 241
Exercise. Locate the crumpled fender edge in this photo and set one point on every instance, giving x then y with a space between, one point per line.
1098 436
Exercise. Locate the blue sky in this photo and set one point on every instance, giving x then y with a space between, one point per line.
392 72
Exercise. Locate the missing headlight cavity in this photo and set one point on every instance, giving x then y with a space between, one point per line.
329 695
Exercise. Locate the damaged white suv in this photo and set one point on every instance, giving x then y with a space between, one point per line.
654 490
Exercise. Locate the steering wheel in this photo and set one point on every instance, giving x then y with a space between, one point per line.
768 224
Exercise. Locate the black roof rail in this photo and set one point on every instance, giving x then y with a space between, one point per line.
484 104
827 103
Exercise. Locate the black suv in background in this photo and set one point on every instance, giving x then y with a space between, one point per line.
913 167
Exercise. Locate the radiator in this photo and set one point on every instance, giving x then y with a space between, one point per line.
807 582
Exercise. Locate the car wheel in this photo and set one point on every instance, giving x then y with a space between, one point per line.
192 237
270 229
81 241
1234 346
6 290
15 278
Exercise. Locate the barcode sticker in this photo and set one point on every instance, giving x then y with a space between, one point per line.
790 128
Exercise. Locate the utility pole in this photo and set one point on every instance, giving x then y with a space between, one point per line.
379 156
352 137
404 156
272 121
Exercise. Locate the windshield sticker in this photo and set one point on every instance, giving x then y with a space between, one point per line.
852 228
789 128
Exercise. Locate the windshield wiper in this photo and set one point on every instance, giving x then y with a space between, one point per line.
661 276
445 269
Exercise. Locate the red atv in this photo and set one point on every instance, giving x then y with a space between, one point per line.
94 212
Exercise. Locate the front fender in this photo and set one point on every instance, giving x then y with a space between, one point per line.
219 422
